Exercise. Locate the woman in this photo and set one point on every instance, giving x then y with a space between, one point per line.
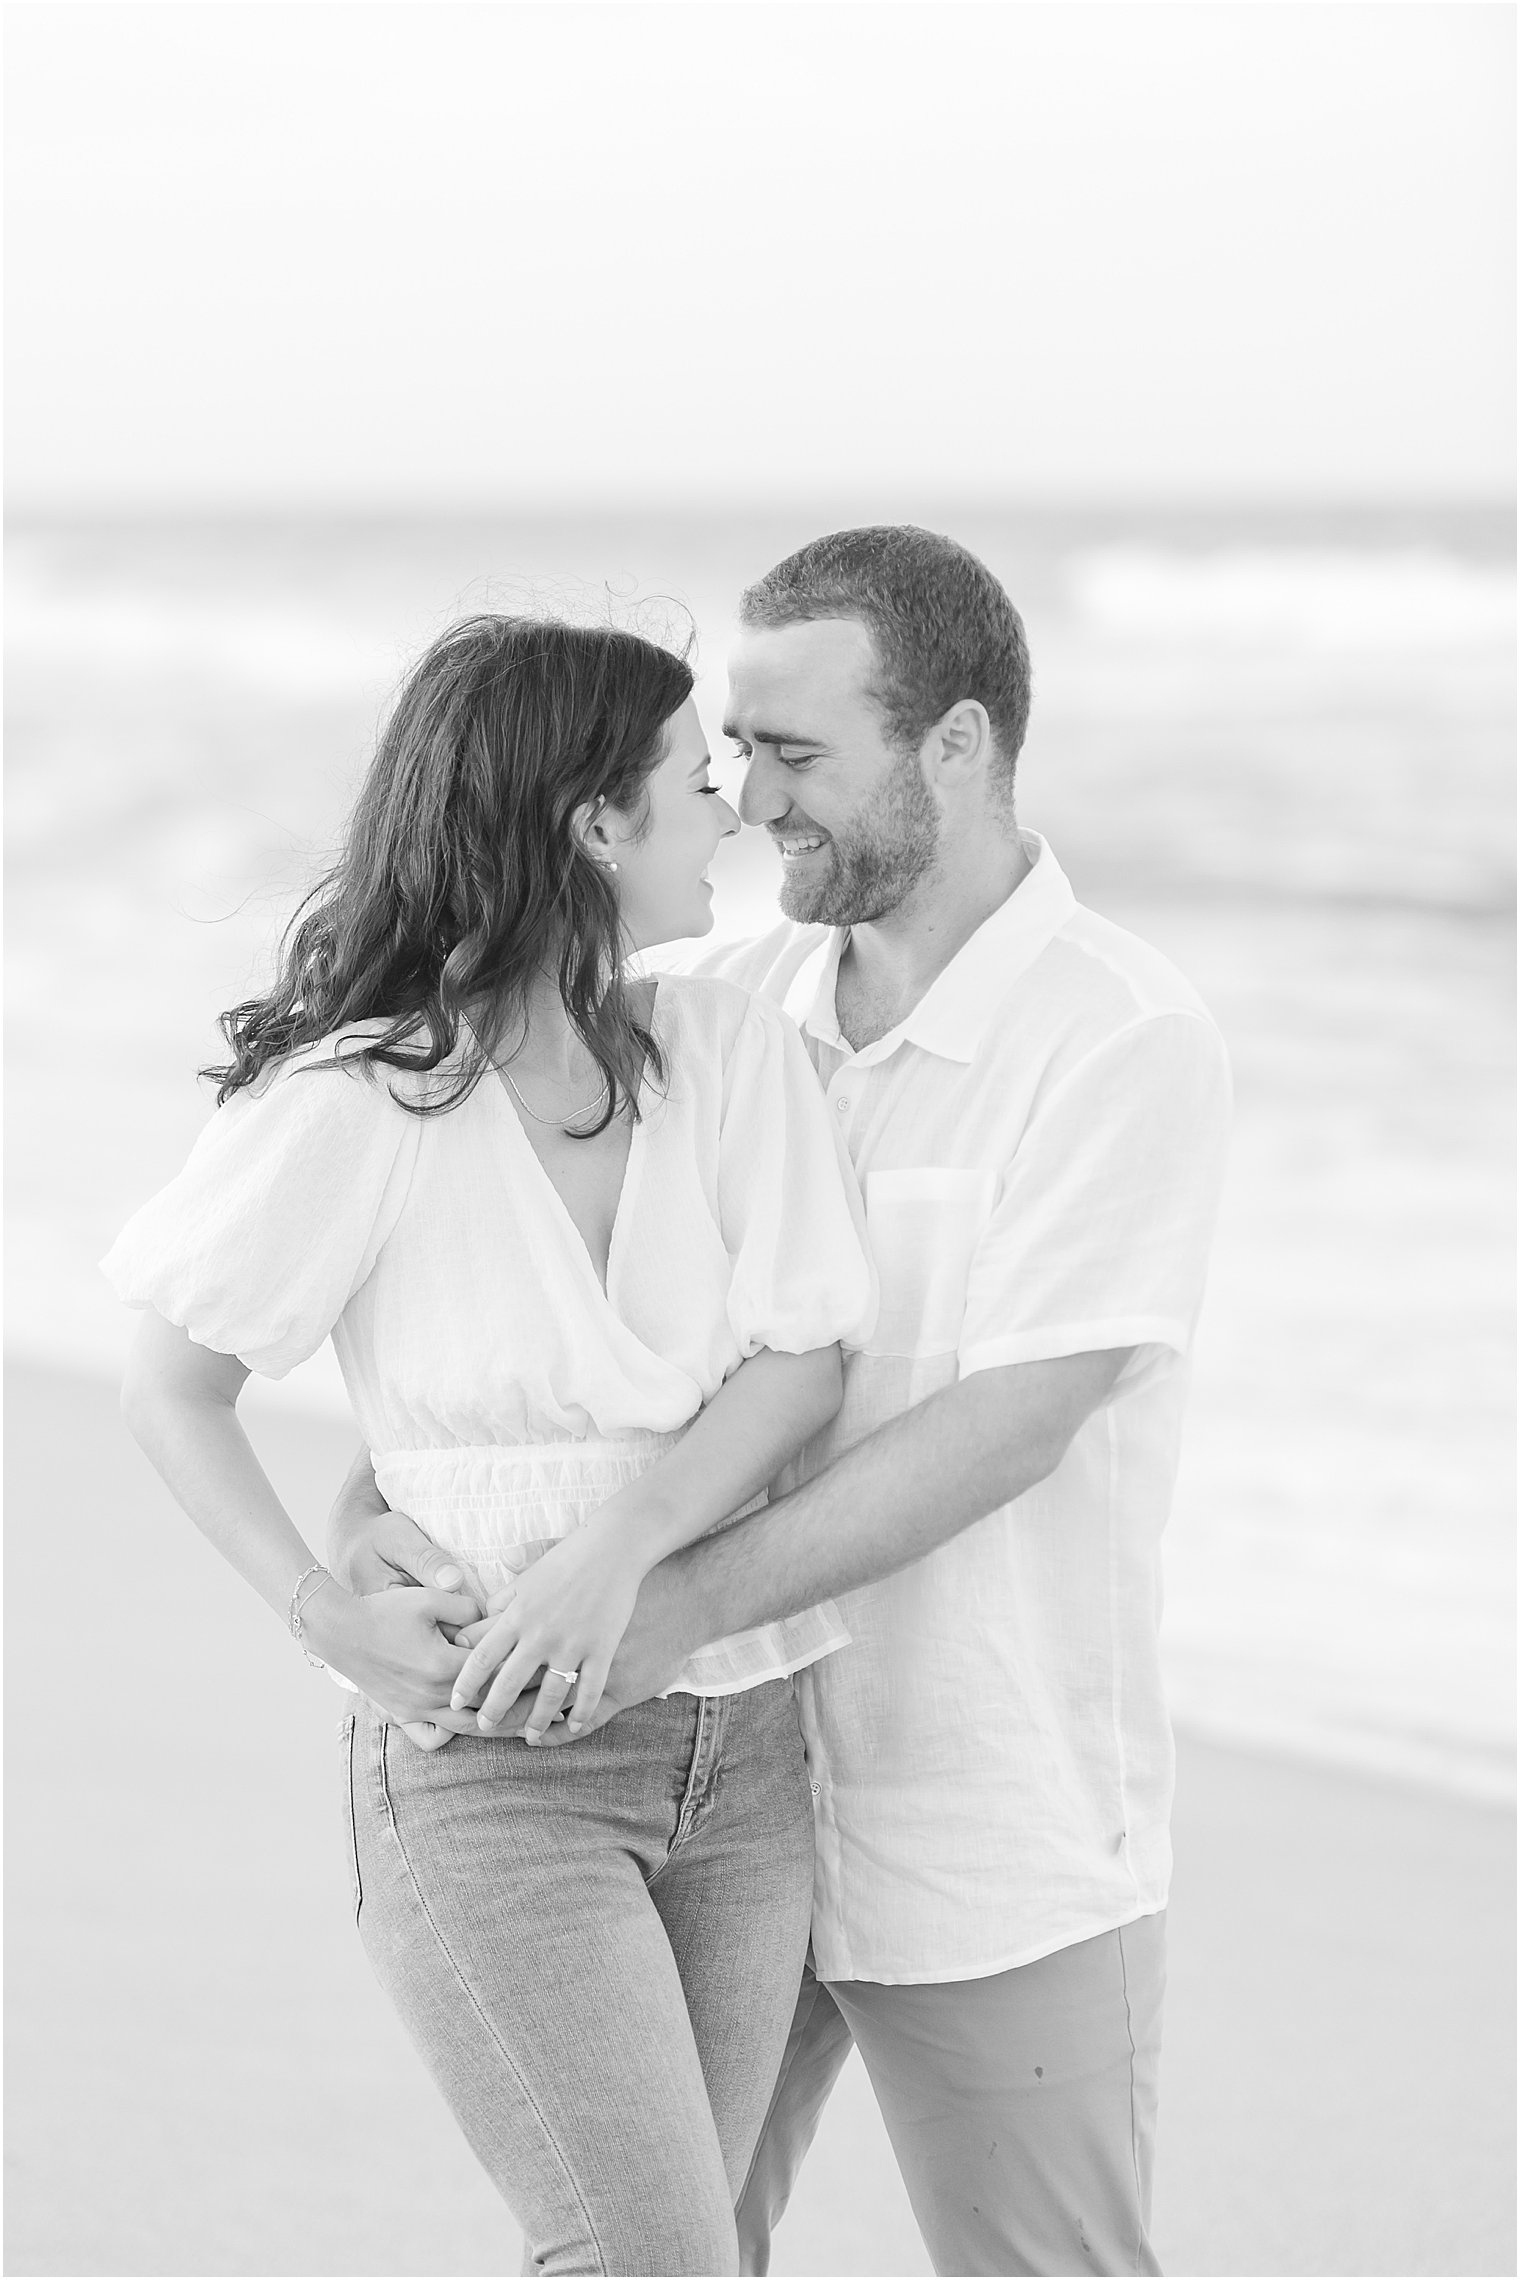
585 1246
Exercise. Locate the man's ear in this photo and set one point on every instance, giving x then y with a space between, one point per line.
959 744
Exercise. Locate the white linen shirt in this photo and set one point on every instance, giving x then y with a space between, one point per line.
503 1393
1040 1142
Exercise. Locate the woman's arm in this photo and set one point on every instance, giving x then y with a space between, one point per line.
755 1423
569 1611
180 1403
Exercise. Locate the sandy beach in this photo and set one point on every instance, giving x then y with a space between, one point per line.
203 2078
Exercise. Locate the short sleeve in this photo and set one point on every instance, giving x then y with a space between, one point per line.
789 1204
278 1216
1101 1232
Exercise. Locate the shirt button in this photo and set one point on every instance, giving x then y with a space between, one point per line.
842 1103
816 1787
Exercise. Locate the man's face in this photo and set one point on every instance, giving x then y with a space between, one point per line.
848 809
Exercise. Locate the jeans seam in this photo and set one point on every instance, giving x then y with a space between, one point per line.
351 1739
1134 2145
474 2002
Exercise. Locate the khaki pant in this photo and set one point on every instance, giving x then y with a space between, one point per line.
1021 2108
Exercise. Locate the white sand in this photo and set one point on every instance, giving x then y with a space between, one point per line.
204 2079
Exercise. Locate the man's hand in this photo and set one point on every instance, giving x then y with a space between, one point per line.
371 1548
435 1732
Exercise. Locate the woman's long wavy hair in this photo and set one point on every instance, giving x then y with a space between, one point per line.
461 879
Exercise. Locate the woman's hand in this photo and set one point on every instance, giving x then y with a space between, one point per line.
567 1612
672 1619
391 1644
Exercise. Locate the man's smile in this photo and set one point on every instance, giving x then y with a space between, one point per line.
793 844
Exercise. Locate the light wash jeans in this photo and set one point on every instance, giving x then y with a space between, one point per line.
597 1951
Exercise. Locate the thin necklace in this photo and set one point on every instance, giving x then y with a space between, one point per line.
563 1122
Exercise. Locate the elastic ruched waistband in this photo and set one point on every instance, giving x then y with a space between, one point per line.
487 1503
527 1478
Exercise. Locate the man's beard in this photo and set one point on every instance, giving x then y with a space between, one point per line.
862 874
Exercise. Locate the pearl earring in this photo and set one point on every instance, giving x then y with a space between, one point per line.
605 866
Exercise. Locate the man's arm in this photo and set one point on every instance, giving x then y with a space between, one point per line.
897 1495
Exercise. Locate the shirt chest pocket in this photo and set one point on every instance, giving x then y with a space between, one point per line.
924 1226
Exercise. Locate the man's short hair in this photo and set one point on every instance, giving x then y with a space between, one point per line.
943 627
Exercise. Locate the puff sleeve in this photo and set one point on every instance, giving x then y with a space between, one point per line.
278 1216
792 1218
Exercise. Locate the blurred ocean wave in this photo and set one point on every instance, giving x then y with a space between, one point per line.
1280 746
1317 598
149 635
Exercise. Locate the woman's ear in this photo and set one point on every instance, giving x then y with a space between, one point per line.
593 827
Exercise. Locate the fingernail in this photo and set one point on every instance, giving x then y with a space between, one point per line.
531 1738
458 1702
449 1576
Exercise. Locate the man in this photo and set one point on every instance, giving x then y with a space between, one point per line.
1036 1104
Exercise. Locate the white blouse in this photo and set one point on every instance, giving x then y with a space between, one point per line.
503 1392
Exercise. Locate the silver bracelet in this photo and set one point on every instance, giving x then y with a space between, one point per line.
298 1607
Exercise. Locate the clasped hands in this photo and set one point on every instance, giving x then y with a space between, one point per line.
573 1610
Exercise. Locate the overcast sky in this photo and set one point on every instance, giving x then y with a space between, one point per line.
327 251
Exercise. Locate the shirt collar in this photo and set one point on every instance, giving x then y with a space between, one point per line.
952 1016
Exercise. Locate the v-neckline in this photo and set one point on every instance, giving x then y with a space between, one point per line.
625 1185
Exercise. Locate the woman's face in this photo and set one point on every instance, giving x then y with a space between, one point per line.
661 879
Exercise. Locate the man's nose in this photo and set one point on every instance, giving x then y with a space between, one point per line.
766 795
